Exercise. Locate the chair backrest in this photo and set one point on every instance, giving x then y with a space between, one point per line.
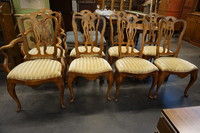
42 31
152 36
113 26
93 26
117 5
127 29
168 27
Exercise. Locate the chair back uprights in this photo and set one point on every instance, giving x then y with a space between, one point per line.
152 37
40 30
168 27
93 28
113 26
127 29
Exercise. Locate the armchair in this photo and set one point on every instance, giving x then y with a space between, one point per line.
42 66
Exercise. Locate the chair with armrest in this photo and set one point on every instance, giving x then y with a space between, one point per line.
167 60
42 66
131 63
27 25
89 62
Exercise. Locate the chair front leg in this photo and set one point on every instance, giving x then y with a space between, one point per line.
11 91
61 87
119 79
161 78
70 80
193 78
110 83
155 80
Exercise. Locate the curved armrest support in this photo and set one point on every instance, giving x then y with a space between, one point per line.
10 45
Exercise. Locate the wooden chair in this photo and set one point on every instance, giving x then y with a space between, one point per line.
118 5
27 25
89 62
113 52
80 36
170 63
40 67
151 41
132 66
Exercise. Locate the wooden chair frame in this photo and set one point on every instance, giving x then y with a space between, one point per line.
166 29
40 39
130 26
89 22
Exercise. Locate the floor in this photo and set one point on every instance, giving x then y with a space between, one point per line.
91 112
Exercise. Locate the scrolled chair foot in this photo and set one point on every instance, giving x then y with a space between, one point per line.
186 94
153 97
71 100
109 98
116 99
18 109
63 106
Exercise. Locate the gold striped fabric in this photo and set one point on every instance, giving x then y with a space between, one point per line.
113 51
174 64
82 49
135 65
36 70
151 50
89 65
50 50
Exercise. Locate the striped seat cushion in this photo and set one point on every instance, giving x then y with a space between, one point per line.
36 70
89 65
82 49
174 64
50 50
151 50
135 65
113 51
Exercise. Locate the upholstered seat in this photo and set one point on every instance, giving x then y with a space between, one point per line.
167 61
135 66
151 50
45 59
82 49
49 50
89 65
87 56
113 51
32 70
174 64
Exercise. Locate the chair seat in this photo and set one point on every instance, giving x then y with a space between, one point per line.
89 65
36 70
174 64
151 50
135 65
113 51
82 49
50 50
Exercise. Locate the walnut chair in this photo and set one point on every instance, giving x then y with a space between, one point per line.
113 53
80 36
167 60
127 65
151 40
89 63
41 67
27 25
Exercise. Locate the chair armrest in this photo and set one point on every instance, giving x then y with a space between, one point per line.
10 45
64 38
